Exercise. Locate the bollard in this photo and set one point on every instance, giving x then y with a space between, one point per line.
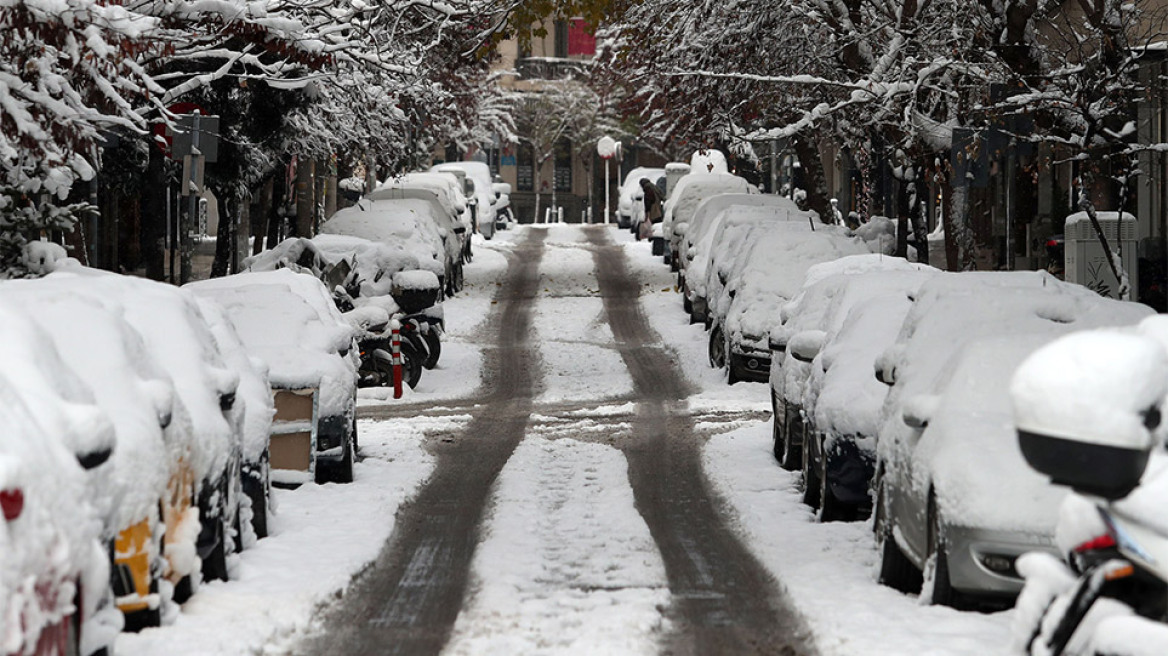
395 344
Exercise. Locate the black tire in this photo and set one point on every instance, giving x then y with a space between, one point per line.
778 424
184 590
896 570
811 483
258 494
215 565
459 280
717 348
792 456
434 344
943 593
342 472
831 509
411 366
687 305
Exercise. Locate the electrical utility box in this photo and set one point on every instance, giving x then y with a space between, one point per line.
1084 260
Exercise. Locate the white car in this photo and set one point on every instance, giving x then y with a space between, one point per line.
703 226
479 173
751 280
630 193
408 223
288 320
954 497
691 191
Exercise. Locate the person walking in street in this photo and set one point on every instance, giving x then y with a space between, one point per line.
652 200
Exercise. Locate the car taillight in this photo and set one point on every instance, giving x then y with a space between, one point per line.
1104 541
12 503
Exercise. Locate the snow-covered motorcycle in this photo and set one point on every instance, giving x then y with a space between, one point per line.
1088 414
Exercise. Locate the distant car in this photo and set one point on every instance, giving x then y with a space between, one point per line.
409 223
696 243
749 283
953 495
450 211
288 320
629 189
691 191
479 174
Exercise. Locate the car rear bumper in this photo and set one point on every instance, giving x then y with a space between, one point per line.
848 470
981 561
755 368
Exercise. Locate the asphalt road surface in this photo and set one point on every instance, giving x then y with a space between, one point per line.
724 601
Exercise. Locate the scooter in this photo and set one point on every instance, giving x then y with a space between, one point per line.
1109 596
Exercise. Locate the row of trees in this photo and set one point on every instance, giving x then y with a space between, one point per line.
84 83
908 79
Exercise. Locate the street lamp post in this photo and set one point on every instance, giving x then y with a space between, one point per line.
606 147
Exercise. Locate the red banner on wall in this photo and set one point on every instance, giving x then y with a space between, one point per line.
580 40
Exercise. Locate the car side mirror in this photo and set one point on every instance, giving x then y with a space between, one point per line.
806 345
94 459
918 410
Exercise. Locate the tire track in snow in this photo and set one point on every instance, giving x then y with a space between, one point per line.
725 602
407 601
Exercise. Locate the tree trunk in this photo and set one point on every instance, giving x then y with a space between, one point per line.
813 178
958 234
903 209
153 232
920 226
224 237
262 215
305 196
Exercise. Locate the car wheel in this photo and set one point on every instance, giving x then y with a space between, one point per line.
831 509
258 492
215 566
184 589
777 425
687 305
896 570
717 348
344 469
792 454
811 487
459 280
942 593
434 345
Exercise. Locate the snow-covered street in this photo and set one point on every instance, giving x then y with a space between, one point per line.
575 551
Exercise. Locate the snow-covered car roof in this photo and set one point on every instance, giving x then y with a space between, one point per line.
632 185
723 235
375 262
954 355
409 223
708 214
288 321
770 272
696 187
445 187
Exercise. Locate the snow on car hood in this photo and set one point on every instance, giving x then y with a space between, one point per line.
288 321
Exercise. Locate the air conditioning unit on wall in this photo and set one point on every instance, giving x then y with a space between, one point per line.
1083 256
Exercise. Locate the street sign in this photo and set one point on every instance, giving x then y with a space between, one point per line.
194 131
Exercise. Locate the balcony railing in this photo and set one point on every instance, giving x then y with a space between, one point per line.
551 68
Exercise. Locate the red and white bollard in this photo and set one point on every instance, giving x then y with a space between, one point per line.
395 344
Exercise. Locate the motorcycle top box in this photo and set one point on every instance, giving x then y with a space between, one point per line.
1110 472
1087 410
415 290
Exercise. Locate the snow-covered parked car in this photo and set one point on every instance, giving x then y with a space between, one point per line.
484 199
177 470
750 284
691 191
825 399
504 215
54 576
455 215
630 193
410 223
954 497
289 321
702 232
